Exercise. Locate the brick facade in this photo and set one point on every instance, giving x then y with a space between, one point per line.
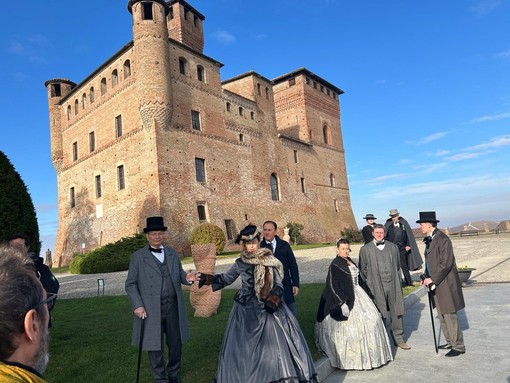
157 107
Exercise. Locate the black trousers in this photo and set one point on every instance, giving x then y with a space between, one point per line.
404 264
169 328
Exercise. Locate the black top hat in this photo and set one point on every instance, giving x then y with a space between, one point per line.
369 216
427 216
155 224
248 233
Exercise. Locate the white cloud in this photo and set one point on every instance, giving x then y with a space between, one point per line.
440 153
484 7
495 142
381 179
224 37
492 117
428 139
503 55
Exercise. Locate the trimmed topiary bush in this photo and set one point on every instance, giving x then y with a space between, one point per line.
208 233
109 258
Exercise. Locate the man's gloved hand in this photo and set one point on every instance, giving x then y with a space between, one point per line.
205 279
271 303
345 310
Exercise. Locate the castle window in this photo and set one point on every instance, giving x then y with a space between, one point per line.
314 85
195 20
296 159
241 137
229 107
103 86
171 13
258 89
72 198
267 92
303 190
118 126
92 141
84 101
76 103
241 111
200 169
307 81
328 92
147 11
275 192
292 82
115 78
183 65
252 115
229 229
92 94
127 69
98 186
120 177
200 73
55 90
322 89
331 179
326 132
335 204
186 14
202 212
75 151
333 94
69 112
195 120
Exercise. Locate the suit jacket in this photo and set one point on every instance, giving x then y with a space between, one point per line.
143 287
284 254
368 266
339 289
415 261
443 271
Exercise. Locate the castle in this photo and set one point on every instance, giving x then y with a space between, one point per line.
155 131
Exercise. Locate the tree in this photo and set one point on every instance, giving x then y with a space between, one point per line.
17 213
295 231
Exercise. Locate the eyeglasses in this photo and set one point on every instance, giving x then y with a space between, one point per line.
49 301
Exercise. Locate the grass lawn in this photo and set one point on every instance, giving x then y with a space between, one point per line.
90 339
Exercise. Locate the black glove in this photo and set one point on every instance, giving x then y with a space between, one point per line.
271 303
205 279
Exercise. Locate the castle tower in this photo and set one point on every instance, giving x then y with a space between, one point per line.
185 25
152 57
57 90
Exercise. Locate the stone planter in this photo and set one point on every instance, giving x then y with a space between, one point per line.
204 300
464 275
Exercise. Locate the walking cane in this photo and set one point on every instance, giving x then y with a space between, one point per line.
429 293
142 331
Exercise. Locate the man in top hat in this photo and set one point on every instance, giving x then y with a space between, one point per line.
368 230
441 271
153 286
400 233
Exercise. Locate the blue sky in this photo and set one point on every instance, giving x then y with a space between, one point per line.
425 114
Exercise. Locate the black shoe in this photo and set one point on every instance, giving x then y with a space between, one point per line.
454 352
173 379
445 346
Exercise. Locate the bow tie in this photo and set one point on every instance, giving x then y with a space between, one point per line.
427 239
153 250
377 243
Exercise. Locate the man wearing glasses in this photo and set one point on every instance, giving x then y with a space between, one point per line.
153 286
24 317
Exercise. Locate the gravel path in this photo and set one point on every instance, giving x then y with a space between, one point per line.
489 254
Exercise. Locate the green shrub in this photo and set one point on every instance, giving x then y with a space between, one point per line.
208 233
295 232
109 258
352 234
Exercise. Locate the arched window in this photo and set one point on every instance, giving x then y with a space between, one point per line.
200 73
275 191
91 94
331 179
69 112
76 103
183 65
84 100
326 132
127 69
103 86
115 77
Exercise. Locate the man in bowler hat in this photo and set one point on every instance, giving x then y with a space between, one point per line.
153 286
441 271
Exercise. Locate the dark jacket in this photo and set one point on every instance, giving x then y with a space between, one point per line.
368 233
339 289
415 261
48 280
284 254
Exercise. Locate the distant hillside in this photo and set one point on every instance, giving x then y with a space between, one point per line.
481 226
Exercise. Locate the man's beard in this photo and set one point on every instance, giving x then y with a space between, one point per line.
42 357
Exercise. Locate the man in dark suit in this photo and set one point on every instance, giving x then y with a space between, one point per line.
282 251
441 271
154 290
